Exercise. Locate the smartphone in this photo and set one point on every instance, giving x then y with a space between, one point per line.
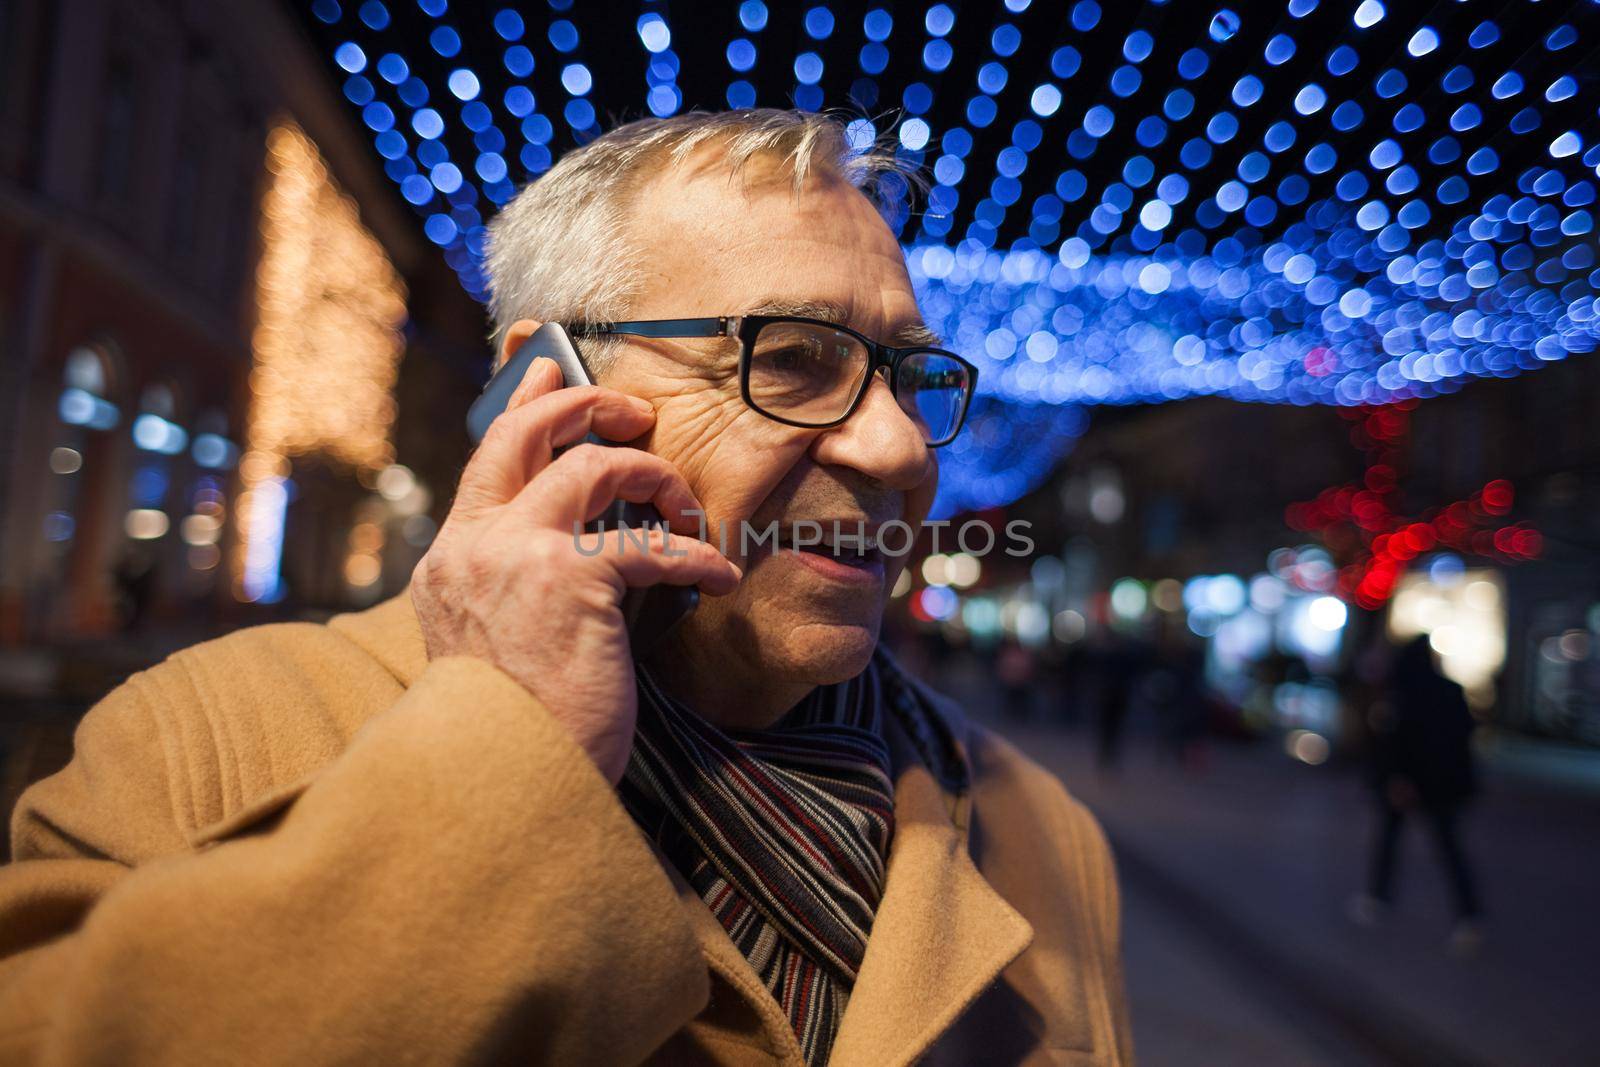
651 612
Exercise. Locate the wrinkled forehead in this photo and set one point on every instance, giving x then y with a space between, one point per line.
715 242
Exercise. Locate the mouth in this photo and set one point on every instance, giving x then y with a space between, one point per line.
852 544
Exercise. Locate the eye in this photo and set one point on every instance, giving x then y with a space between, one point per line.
791 358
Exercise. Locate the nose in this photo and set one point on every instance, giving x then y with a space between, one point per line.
879 440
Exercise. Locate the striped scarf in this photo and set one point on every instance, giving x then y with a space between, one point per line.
783 832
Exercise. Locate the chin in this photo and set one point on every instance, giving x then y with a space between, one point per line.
820 653
782 635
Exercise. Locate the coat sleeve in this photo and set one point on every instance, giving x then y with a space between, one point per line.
459 882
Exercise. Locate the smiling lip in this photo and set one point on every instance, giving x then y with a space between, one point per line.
867 572
847 553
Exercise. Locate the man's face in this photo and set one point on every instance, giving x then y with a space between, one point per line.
715 245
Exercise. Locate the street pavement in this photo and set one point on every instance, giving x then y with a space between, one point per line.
1191 1005
1236 875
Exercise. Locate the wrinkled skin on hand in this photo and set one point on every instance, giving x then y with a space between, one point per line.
505 580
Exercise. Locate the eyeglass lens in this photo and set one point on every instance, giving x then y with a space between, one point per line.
806 373
932 389
811 374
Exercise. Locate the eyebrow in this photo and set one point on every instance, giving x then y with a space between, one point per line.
912 334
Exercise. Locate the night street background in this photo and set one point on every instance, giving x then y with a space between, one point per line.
1285 314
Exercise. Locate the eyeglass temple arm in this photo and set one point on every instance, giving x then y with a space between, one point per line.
714 327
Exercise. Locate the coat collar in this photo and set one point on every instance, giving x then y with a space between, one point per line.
942 933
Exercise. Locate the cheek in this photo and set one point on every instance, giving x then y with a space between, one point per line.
734 465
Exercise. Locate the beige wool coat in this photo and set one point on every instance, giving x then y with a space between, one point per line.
304 844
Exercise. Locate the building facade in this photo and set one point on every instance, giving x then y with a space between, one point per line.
147 144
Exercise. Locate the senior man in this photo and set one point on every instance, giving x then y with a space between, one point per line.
468 825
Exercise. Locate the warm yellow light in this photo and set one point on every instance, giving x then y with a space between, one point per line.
1167 594
365 537
327 343
1465 622
200 529
362 568
395 481
1306 746
145 524
963 570
1482 595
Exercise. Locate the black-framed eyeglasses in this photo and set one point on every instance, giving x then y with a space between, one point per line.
813 373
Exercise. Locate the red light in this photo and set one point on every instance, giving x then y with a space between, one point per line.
1420 537
1497 496
1357 524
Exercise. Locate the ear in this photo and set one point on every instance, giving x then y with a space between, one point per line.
516 333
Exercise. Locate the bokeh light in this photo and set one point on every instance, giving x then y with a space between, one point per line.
1337 204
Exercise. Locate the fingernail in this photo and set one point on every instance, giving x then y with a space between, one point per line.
530 375
644 406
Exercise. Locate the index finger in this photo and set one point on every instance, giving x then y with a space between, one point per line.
543 376
522 441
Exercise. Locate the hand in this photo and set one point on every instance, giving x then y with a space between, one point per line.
504 580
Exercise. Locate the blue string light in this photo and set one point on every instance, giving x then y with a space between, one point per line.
742 54
1405 208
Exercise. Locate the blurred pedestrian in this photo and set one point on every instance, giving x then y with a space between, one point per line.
1422 764
1119 671
1186 712
1016 670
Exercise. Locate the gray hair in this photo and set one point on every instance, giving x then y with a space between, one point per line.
561 250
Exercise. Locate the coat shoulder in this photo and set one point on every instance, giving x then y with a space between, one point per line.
199 737
998 769
263 707
1019 806
1004 775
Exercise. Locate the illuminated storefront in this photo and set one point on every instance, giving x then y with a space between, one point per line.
1462 611
202 274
